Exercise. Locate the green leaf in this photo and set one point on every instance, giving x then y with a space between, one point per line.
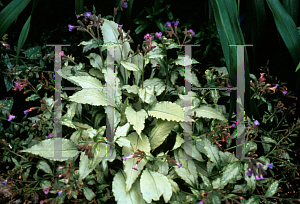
130 66
166 110
230 172
99 154
136 119
142 27
253 200
133 196
216 198
33 97
287 29
209 112
138 143
160 132
88 45
179 141
95 60
88 193
38 87
272 189
185 175
46 149
23 36
83 166
153 185
90 96
250 147
16 162
87 81
110 36
33 52
212 152
45 167
206 181
10 13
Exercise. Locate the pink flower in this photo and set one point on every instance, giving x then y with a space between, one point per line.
262 76
146 36
70 27
129 156
77 16
257 178
50 135
191 32
135 167
284 92
10 117
42 201
201 202
179 165
158 35
46 191
256 122
18 86
61 54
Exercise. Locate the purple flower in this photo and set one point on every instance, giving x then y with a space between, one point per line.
280 110
270 165
233 125
258 165
59 193
18 86
70 27
179 165
249 172
293 112
124 5
129 156
87 14
120 26
168 24
219 145
261 177
135 167
146 36
257 178
284 92
256 122
191 32
77 16
4 182
201 202
10 117
276 86
158 35
175 23
50 135
46 191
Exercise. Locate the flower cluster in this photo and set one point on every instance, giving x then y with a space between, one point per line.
86 148
7 46
140 154
221 132
261 171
